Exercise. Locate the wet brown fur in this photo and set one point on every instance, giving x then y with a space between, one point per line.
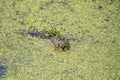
60 43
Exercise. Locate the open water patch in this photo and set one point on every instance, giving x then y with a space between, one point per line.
2 71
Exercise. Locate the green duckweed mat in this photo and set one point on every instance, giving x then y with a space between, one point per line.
93 27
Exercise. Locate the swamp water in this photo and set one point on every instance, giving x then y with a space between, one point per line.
91 25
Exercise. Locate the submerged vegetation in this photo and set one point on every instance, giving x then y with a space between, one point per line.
92 26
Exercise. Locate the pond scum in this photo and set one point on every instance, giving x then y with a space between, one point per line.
93 30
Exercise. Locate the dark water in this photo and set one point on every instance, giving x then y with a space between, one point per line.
2 71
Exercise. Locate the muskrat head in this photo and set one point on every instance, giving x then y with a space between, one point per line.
61 43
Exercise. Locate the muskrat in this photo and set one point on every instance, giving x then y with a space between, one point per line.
60 43
41 34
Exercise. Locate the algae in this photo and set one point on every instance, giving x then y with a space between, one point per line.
91 25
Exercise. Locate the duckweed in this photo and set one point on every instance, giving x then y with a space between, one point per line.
91 25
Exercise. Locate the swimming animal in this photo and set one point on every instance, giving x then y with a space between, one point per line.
59 42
